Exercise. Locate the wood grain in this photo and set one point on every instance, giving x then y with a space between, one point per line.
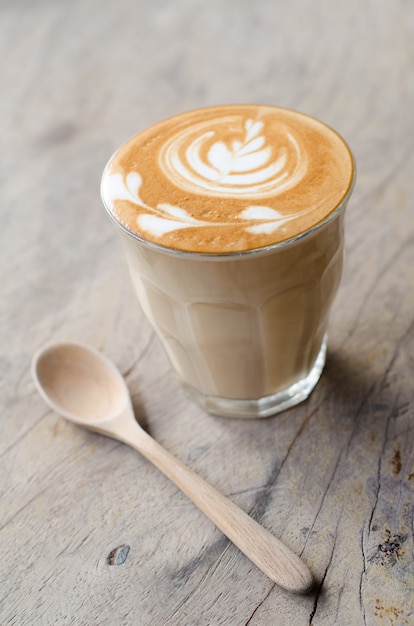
92 534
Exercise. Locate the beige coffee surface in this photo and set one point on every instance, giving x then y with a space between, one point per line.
228 179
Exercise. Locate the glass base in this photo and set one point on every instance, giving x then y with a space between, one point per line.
268 405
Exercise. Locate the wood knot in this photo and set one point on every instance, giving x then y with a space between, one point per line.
389 546
396 462
389 551
118 555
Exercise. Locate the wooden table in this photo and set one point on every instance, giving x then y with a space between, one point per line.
91 533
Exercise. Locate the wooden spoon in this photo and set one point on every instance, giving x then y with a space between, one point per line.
85 387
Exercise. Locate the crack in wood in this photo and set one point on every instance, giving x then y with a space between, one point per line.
361 578
319 588
261 504
140 356
186 571
259 605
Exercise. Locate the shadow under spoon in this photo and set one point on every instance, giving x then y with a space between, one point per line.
86 388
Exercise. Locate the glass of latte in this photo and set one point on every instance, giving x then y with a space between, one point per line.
232 221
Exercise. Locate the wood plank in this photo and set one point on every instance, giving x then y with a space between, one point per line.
334 477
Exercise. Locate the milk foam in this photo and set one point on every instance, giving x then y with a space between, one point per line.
199 161
228 179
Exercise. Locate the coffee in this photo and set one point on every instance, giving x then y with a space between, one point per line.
228 179
232 219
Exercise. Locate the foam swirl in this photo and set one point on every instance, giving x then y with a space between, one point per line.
232 156
228 179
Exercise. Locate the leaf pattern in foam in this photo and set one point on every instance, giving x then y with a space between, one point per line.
118 188
252 146
261 213
159 226
166 217
252 128
178 213
251 161
243 156
220 157
133 184
270 219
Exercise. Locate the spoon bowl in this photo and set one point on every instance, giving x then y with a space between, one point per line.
85 387
80 383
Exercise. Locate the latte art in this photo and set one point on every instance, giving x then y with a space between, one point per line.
228 179
166 218
199 161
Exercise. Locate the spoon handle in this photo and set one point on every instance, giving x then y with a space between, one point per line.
269 554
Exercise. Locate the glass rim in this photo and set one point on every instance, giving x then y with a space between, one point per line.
337 209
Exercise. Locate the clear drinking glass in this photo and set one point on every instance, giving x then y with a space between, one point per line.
232 219
245 332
